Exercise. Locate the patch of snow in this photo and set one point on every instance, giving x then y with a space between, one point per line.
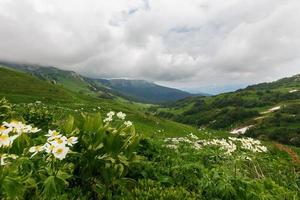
292 91
241 130
271 110
257 118
275 108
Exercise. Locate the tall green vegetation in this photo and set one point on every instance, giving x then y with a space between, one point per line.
85 156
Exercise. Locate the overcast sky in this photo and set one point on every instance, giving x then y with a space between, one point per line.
198 45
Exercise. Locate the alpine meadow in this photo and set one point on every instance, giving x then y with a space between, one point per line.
150 100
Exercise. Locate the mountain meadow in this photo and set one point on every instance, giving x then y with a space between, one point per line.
67 136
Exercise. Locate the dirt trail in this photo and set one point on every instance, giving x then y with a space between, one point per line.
289 151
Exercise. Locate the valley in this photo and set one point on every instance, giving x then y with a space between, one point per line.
126 149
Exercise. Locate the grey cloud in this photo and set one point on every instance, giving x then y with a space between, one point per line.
186 43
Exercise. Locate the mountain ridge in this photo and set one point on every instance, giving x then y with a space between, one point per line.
130 89
266 110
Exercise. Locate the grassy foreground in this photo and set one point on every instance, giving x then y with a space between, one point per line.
108 158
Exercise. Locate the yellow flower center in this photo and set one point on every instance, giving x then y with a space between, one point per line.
59 151
2 128
3 137
59 141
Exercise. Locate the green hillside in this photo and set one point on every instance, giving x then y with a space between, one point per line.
19 87
132 90
272 109
22 87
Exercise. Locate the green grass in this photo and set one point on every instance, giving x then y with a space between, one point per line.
19 87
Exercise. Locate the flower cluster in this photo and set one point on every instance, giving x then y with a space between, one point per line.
109 117
120 115
191 139
57 145
229 145
11 131
250 144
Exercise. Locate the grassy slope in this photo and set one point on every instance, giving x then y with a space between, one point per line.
20 87
261 94
245 107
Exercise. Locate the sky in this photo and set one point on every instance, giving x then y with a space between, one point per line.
197 45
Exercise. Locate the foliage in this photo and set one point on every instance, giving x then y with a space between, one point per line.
86 153
5 109
79 155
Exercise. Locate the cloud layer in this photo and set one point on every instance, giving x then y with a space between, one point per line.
187 43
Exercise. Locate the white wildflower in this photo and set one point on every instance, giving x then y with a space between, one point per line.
4 130
36 149
128 123
110 114
52 134
107 119
121 115
191 135
171 146
48 147
2 159
19 127
58 141
60 152
72 140
4 140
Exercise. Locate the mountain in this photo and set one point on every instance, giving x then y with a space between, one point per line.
21 87
144 91
24 89
133 90
266 110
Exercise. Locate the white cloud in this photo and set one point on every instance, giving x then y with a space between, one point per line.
185 43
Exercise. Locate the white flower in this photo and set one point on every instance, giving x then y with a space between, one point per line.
60 152
4 140
191 135
2 159
36 149
58 141
19 127
52 135
110 114
4 130
171 146
16 126
121 115
35 130
12 138
128 123
48 147
108 119
30 129
13 156
72 140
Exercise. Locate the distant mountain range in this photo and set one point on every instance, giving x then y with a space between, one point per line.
134 90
